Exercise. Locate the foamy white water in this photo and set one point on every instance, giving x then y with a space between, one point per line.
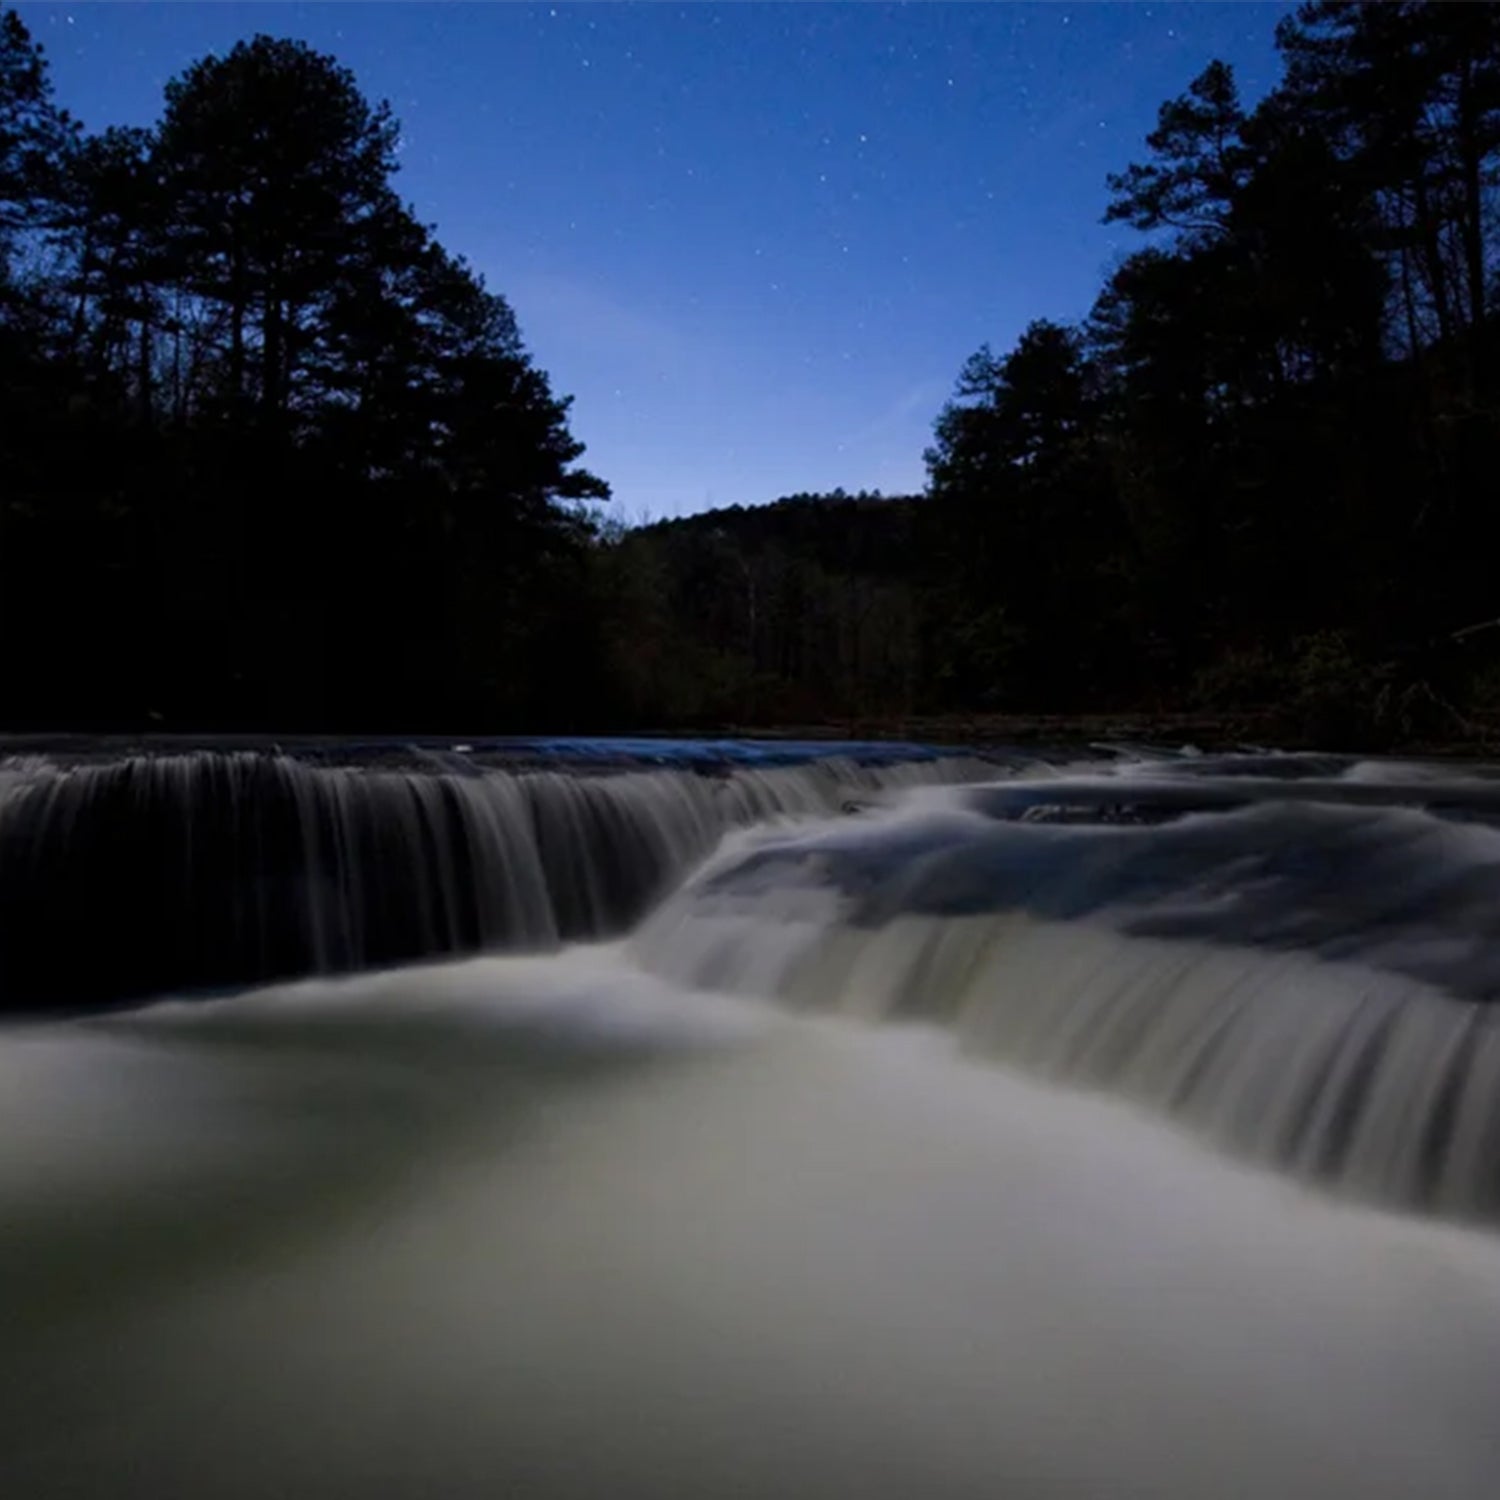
548 1228
1171 1171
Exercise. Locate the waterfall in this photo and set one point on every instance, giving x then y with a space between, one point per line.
818 1122
1300 970
1291 956
135 875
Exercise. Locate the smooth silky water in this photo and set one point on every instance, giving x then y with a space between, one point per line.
1172 1169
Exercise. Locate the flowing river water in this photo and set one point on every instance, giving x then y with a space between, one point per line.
630 1120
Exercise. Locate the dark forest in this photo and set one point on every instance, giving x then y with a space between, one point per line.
271 457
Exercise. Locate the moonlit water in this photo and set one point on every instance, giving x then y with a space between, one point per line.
204 869
1099 1210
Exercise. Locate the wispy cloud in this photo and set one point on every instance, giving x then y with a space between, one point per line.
901 413
562 317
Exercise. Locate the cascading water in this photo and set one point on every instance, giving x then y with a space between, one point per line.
1178 1176
207 869
1301 970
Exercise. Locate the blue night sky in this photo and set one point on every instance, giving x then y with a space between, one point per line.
754 241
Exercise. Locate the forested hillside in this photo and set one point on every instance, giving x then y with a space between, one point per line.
1261 474
273 456
800 612
1265 466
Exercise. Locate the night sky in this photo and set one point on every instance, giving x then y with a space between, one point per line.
754 241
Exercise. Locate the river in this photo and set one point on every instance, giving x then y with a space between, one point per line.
920 1125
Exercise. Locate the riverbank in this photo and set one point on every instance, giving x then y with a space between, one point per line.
1259 728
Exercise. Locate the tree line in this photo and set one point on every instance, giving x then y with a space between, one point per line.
273 455
1261 474
1264 468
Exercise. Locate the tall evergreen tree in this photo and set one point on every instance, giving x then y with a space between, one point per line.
293 447
34 132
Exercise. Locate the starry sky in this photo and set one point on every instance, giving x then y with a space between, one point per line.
755 241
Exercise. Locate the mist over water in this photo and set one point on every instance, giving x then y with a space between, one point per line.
1171 1171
